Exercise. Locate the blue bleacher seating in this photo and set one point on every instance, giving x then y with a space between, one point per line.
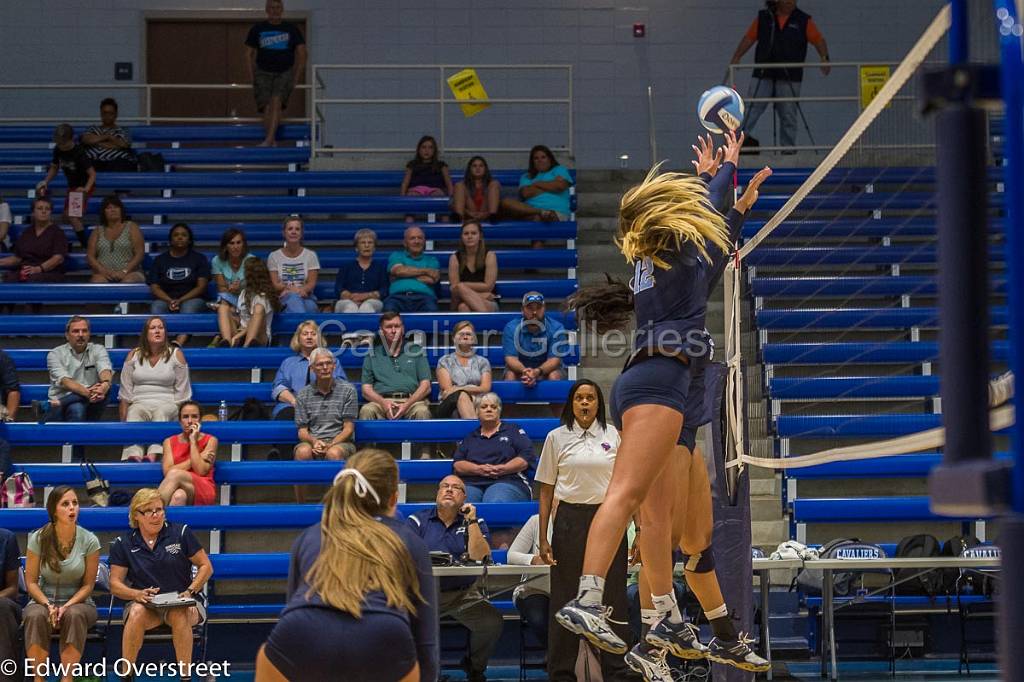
859 318
13 156
899 466
854 425
863 227
43 134
865 353
909 285
818 388
865 509
804 256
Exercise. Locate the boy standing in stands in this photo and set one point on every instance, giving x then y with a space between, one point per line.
276 55
81 176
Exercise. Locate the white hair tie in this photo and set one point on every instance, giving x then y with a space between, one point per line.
362 486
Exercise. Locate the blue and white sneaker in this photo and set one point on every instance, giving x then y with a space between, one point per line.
649 661
679 639
737 653
592 622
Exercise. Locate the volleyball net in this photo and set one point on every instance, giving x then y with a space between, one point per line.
840 266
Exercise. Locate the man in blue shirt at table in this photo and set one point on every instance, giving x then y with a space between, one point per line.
453 527
533 344
413 276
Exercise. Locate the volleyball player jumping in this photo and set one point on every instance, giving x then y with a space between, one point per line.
665 226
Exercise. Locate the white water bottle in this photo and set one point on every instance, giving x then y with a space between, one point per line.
222 411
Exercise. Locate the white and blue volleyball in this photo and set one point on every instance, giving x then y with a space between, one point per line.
720 109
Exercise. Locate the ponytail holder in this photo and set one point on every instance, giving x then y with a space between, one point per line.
362 486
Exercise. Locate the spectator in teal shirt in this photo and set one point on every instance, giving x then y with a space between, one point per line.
413 276
543 189
533 344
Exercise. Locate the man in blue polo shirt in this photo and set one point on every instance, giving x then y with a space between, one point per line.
534 344
453 527
413 276
157 557
10 611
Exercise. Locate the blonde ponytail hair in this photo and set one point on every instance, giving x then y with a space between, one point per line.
359 554
665 210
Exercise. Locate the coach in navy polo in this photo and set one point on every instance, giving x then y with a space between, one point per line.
157 557
493 459
452 526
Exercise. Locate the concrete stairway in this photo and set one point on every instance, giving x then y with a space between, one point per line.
602 357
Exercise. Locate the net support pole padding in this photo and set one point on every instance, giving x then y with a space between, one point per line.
1010 622
967 478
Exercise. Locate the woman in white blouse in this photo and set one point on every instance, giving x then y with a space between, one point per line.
154 381
532 599
575 468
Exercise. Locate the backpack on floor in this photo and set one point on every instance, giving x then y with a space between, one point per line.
17 492
151 162
252 409
917 546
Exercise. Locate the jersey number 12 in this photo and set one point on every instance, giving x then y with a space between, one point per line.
643 275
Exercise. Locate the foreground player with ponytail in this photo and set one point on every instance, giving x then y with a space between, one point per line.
671 233
361 603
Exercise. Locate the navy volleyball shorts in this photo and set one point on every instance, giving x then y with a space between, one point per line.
655 380
317 644
697 411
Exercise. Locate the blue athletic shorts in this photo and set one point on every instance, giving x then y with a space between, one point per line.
317 644
655 380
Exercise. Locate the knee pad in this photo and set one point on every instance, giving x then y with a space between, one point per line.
701 562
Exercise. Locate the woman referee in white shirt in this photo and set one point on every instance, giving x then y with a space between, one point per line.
575 467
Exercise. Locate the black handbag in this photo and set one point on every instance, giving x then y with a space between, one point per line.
96 487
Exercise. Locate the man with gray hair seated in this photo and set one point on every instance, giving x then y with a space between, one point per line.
80 377
493 460
325 411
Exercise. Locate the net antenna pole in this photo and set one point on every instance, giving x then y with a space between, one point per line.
1011 606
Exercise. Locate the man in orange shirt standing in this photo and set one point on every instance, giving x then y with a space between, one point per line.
781 32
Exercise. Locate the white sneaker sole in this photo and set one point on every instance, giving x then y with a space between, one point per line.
569 624
650 674
676 650
749 667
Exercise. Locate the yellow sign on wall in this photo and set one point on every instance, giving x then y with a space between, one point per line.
466 85
872 78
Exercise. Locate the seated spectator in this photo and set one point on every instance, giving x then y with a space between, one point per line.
227 266
472 272
249 321
5 224
116 247
40 250
80 377
413 276
188 461
156 557
179 275
493 459
362 575
294 270
10 388
452 526
108 145
362 284
533 344
154 381
477 196
543 189
533 599
10 609
396 376
294 373
462 375
78 171
60 574
324 414
426 175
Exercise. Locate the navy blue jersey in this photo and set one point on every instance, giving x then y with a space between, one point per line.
670 305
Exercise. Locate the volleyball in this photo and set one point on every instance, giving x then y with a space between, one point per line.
720 109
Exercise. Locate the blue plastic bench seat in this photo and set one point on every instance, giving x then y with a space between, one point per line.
247 516
249 179
40 156
332 259
117 293
833 388
239 132
854 425
908 285
804 256
250 432
230 473
235 393
858 318
866 353
284 323
866 509
860 227
902 466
